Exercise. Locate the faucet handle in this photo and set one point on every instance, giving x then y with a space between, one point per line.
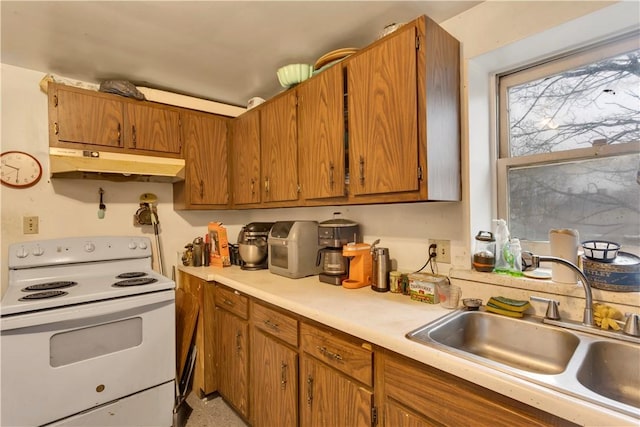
632 325
552 307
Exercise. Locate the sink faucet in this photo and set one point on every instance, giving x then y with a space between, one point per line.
531 262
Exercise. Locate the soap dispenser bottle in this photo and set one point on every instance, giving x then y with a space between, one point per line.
515 257
502 246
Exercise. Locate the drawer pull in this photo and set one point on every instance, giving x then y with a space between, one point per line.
228 302
329 354
134 136
309 390
271 325
283 375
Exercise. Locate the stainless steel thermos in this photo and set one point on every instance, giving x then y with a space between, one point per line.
381 269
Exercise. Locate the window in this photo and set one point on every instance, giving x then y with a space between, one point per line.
569 154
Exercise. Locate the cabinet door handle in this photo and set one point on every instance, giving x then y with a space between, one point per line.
270 324
238 342
309 390
133 136
253 183
56 128
201 189
119 135
329 354
266 184
331 181
361 170
283 375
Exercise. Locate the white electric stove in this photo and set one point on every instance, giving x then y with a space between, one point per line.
87 335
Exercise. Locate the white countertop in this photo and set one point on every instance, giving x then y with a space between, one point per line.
383 319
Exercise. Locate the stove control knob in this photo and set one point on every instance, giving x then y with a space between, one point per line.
132 245
22 252
143 245
37 251
89 247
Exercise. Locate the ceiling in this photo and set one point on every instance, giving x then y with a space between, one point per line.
226 51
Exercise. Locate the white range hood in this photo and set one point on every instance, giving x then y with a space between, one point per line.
72 163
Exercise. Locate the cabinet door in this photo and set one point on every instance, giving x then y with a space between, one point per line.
279 157
274 382
205 156
329 398
153 128
245 158
321 136
89 119
396 416
231 362
383 135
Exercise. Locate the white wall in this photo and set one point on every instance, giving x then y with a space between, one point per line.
69 207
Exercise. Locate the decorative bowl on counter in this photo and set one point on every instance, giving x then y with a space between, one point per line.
292 74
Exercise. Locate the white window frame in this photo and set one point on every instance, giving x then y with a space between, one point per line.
545 68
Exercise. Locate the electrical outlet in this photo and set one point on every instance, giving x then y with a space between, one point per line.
443 251
30 225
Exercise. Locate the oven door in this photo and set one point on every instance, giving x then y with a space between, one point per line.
57 363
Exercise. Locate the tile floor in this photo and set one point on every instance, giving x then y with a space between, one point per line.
210 412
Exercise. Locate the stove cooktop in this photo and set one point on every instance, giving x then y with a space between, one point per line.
78 271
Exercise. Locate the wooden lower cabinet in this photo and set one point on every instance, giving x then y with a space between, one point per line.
413 394
336 379
330 398
278 369
274 382
232 361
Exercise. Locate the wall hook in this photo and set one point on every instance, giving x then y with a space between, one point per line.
102 207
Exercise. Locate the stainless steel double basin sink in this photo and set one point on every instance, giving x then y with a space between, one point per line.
603 371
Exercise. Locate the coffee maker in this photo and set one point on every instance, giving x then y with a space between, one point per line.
253 247
333 234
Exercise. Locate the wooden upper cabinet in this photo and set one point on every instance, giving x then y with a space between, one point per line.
321 150
382 123
279 160
82 117
206 158
90 120
244 150
153 128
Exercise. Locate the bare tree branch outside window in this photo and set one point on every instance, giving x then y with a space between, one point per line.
591 105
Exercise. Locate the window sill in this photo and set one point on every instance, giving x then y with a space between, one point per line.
546 286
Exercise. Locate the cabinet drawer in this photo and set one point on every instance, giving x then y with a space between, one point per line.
232 301
443 398
351 358
275 323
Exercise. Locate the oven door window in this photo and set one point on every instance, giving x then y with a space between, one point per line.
86 343
279 256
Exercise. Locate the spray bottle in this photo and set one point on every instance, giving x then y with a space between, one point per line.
502 246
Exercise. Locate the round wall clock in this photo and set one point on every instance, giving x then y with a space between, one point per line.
19 169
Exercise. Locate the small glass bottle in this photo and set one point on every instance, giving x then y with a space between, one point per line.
395 282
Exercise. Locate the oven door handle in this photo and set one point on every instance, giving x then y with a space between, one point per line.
134 304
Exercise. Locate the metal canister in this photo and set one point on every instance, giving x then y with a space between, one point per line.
395 282
381 268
